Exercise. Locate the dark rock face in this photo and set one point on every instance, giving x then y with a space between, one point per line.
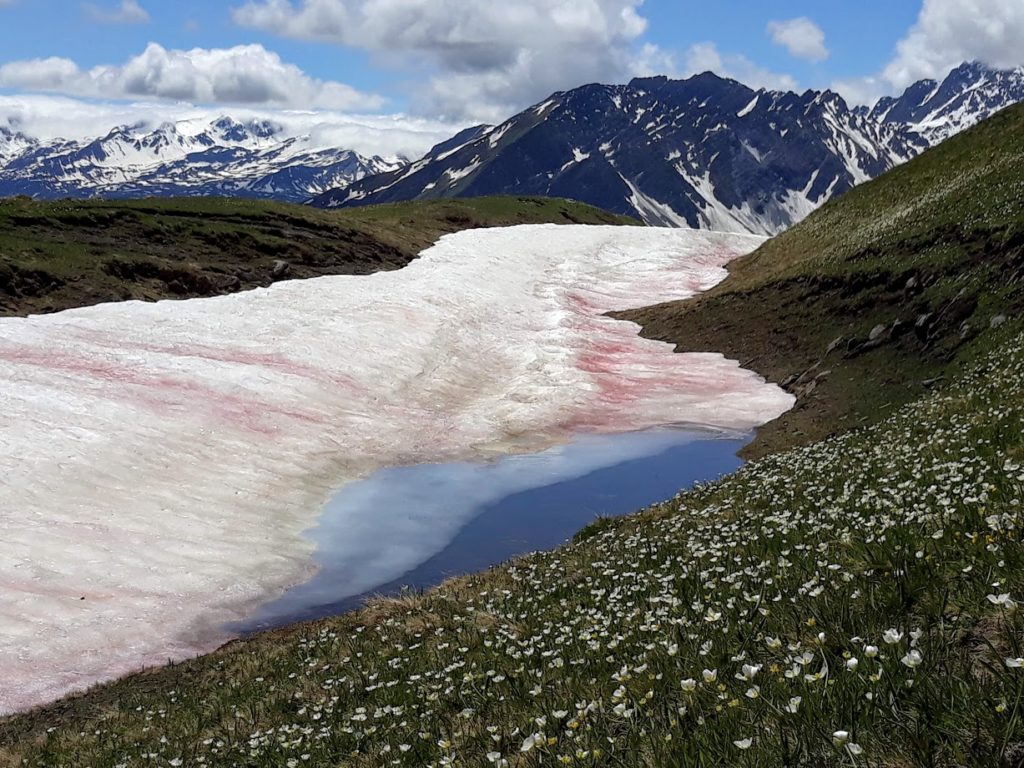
703 152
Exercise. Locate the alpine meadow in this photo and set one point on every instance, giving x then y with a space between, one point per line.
620 384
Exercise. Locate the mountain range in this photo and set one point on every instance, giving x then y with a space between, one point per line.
704 152
224 157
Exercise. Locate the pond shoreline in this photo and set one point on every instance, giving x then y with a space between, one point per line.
510 507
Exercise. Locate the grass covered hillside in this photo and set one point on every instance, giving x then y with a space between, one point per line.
58 255
849 602
879 292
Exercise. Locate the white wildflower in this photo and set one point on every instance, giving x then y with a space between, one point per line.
912 659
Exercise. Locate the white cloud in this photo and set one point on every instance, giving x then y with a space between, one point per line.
705 57
949 32
861 90
51 117
946 34
488 59
801 37
38 74
129 12
247 74
651 60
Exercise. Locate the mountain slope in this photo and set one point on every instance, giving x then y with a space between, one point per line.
878 292
222 158
704 152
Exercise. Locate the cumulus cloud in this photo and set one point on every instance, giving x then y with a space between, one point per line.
946 34
246 74
52 117
949 32
705 57
489 59
38 74
129 12
862 90
801 37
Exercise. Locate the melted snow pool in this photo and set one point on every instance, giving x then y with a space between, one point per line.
474 515
161 463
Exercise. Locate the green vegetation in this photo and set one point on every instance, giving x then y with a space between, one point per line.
928 255
849 602
67 254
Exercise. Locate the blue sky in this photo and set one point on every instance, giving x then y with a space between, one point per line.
454 62
861 36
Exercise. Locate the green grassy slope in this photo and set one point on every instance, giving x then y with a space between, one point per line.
57 255
931 252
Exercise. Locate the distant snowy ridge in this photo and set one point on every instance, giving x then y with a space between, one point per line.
705 152
222 157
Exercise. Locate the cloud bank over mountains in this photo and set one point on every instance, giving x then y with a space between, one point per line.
51 117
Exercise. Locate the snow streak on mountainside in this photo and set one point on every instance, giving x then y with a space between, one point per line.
160 462
705 152
224 157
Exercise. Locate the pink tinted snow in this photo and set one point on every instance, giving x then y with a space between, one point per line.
159 463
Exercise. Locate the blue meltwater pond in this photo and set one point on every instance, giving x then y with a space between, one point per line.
476 515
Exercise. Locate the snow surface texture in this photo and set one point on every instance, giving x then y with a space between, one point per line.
160 462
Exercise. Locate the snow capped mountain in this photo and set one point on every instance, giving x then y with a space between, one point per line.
968 95
12 143
222 157
704 152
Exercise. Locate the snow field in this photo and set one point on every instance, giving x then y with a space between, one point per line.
160 462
